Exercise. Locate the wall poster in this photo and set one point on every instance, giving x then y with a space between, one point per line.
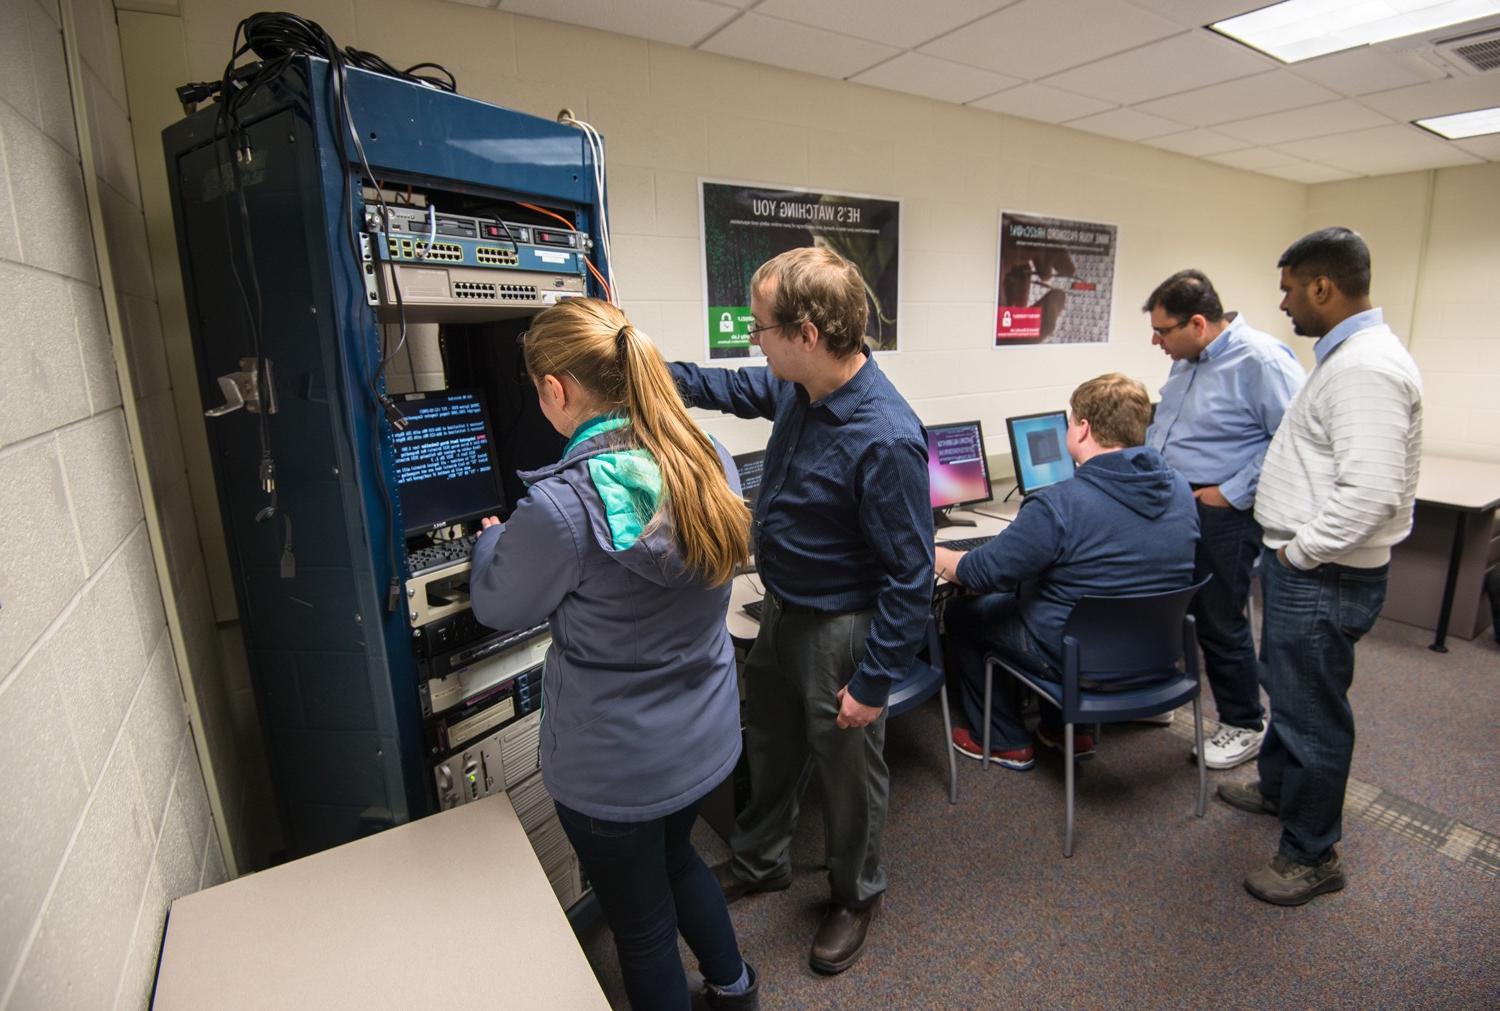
1057 278
745 225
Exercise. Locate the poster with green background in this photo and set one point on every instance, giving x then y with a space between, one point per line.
744 225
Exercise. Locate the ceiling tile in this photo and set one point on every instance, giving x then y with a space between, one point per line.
1255 159
1308 172
1310 121
1437 98
796 47
1037 101
1173 65
918 74
1037 37
1486 147
1126 124
1363 70
1197 143
1239 99
894 22
1384 149
1191 13
680 22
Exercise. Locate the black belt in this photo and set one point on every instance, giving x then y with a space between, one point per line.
789 607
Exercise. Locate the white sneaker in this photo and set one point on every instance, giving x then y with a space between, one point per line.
1160 719
1231 746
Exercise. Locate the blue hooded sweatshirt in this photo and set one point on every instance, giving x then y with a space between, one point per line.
1125 524
640 706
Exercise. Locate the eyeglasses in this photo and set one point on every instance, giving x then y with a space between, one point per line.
1162 331
773 326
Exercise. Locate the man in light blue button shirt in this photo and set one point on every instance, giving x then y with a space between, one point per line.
1229 386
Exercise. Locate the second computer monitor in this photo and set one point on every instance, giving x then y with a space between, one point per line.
956 469
1039 449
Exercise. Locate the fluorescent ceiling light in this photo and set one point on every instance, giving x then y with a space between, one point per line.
1464 124
1301 29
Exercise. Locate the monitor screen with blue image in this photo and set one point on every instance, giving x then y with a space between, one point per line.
1039 449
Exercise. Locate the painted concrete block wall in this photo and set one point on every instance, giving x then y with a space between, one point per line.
1436 270
105 814
671 115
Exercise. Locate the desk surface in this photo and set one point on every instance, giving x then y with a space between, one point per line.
450 911
1459 484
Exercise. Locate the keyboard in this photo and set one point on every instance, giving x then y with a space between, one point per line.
442 553
966 543
756 608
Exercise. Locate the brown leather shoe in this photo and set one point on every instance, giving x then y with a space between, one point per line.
841 939
736 888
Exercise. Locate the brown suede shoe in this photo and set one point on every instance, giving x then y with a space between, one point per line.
736 888
1284 882
841 939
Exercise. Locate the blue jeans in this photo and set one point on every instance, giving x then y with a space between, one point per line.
650 884
991 623
1227 548
1312 621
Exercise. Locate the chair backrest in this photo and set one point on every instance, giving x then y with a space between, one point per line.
922 679
1123 636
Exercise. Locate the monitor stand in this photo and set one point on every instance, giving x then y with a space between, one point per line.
940 519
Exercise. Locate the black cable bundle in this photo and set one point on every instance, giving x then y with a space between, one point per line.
279 39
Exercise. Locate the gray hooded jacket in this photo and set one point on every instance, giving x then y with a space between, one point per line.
640 706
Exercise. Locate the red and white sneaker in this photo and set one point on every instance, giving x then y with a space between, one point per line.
1019 759
1083 744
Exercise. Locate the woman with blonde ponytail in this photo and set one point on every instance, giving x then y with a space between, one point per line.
627 546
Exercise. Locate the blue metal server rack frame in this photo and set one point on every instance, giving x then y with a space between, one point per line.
332 663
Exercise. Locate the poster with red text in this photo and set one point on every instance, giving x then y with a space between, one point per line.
1057 278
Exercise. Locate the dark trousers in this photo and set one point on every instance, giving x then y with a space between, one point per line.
1312 621
991 623
1228 545
650 884
793 674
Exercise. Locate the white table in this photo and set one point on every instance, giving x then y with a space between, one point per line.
451 911
1470 489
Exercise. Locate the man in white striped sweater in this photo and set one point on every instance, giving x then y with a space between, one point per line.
1335 494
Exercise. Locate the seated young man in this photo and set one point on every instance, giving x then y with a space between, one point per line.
1124 525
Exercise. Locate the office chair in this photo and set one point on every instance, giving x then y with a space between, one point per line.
1135 640
923 680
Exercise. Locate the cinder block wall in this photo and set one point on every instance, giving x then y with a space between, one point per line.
104 817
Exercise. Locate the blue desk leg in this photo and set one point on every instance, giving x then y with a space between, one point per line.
1440 641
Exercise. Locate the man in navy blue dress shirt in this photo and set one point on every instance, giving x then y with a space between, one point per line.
843 543
1229 386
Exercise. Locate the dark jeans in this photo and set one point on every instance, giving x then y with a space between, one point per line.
793 674
1227 549
1312 621
651 883
991 623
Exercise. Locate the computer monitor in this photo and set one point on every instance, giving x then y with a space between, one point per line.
957 472
445 464
1039 449
751 467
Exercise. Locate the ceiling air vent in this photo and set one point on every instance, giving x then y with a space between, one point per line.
1465 54
1480 53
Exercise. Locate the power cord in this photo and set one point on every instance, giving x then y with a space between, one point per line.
596 155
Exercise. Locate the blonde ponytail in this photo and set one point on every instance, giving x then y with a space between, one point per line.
618 364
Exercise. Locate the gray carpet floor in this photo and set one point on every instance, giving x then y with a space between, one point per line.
983 911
